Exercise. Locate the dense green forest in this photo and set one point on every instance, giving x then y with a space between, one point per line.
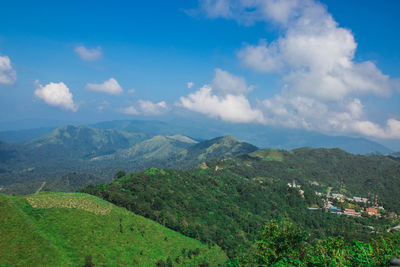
227 201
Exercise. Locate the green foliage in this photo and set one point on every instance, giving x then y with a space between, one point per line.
74 229
119 174
229 206
281 242
284 243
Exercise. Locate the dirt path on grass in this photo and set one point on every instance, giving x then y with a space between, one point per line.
40 188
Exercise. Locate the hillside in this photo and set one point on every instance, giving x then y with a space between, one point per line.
226 201
59 229
156 148
217 148
70 142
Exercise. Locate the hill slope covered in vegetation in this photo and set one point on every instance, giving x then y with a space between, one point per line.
227 201
73 229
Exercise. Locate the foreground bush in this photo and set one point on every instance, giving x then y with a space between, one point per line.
284 243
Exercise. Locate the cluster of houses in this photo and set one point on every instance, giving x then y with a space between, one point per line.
352 212
329 207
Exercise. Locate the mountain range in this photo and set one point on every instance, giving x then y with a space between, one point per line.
259 135
101 153
93 154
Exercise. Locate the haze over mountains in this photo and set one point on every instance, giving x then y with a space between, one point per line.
261 136
103 152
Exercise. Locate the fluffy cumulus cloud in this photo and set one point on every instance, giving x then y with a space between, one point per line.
110 86
56 94
224 98
323 84
89 54
147 108
7 73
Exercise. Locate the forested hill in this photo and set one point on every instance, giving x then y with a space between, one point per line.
227 201
348 174
217 148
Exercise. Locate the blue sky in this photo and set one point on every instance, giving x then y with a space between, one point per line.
249 62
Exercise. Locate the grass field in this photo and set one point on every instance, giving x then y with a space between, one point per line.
67 229
268 154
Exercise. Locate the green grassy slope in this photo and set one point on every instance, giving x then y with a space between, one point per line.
63 229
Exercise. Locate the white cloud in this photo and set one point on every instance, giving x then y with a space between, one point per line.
130 110
224 98
262 58
89 54
390 131
190 85
56 94
150 108
228 107
314 56
329 118
225 83
7 74
110 86
131 91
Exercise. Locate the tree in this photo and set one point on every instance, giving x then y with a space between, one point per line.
119 174
281 242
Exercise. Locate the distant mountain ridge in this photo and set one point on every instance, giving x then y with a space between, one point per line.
259 135
102 153
82 141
